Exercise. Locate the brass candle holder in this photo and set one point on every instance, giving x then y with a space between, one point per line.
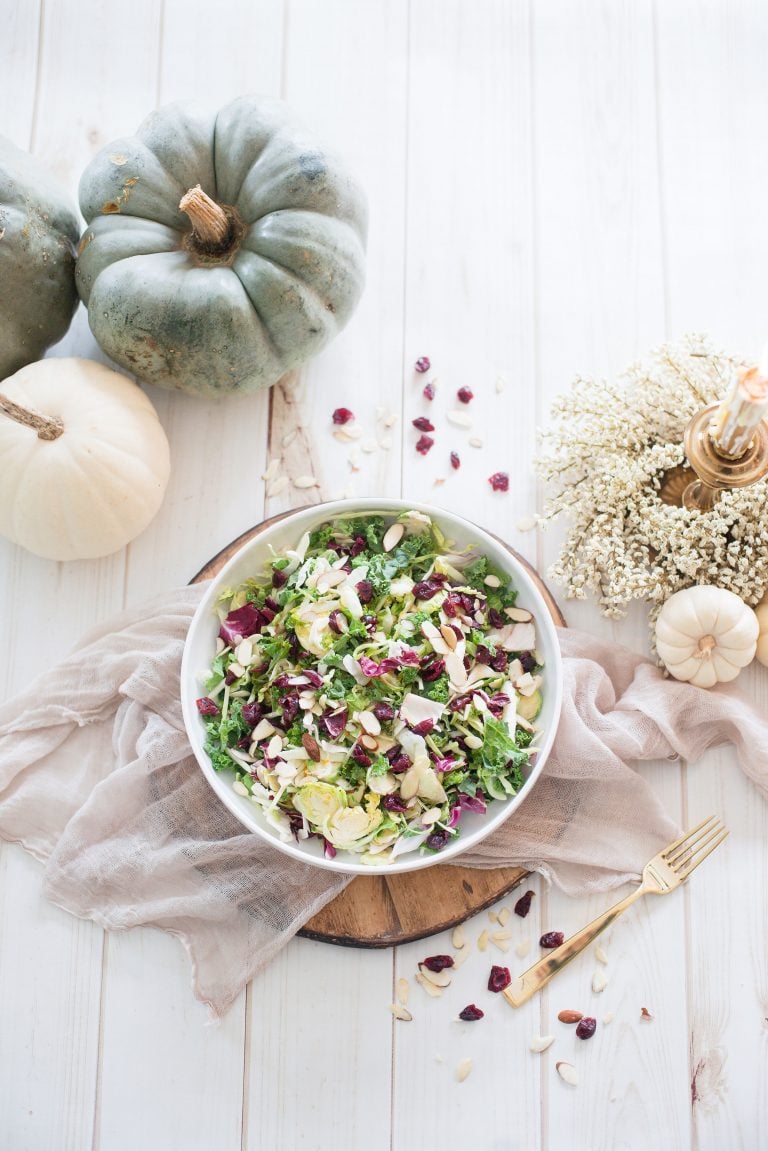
727 443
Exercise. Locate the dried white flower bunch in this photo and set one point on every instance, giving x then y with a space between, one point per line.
608 451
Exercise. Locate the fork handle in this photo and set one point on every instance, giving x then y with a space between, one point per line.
527 984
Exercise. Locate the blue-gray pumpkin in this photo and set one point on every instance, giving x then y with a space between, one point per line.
39 230
222 249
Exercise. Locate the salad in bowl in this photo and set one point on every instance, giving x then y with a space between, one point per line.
373 695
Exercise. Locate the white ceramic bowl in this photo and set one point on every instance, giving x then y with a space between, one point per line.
250 561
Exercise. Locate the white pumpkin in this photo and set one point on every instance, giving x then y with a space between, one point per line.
706 635
85 460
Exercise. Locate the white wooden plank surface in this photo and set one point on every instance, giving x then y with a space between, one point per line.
553 188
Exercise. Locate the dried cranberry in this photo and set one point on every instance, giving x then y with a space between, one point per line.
523 905
360 756
437 962
364 591
337 622
423 444
428 391
437 840
357 546
401 763
449 606
466 395
551 939
384 712
207 706
499 978
230 678
528 660
482 655
423 364
370 623
471 1013
499 661
432 668
342 416
455 461
423 424
314 677
499 481
252 713
586 1027
269 613
425 589
424 727
279 578
495 618
393 803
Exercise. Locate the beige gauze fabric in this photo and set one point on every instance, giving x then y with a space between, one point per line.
97 780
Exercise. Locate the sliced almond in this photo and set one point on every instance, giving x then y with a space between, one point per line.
278 486
275 746
492 915
311 746
369 742
369 722
567 1073
473 741
504 915
430 988
431 816
457 936
501 936
262 729
492 581
272 470
599 982
400 1012
482 940
392 536
368 446
390 420
475 442
449 635
459 419
608 1018
500 944
330 579
436 978
463 1069
403 990
461 956
522 948
518 614
600 954
305 482
539 1043
240 788
236 669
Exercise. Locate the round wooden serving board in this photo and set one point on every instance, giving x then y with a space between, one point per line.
378 911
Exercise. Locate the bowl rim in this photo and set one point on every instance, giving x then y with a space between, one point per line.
221 784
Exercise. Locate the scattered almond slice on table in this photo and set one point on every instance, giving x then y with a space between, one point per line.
599 982
540 1043
457 936
403 990
463 1069
400 1012
430 988
600 954
567 1073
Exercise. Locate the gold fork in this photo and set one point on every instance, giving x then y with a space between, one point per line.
662 874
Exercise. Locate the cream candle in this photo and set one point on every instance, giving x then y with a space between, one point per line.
742 410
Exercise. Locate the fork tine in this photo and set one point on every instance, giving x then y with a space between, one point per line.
701 855
694 842
684 838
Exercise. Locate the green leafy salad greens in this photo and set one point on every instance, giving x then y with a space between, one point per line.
373 687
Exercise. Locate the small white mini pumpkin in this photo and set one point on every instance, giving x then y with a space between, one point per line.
85 459
706 635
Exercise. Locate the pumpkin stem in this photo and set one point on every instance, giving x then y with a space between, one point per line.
706 645
47 427
210 224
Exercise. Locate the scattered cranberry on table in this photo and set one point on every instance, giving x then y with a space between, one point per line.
471 1013
551 939
423 364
